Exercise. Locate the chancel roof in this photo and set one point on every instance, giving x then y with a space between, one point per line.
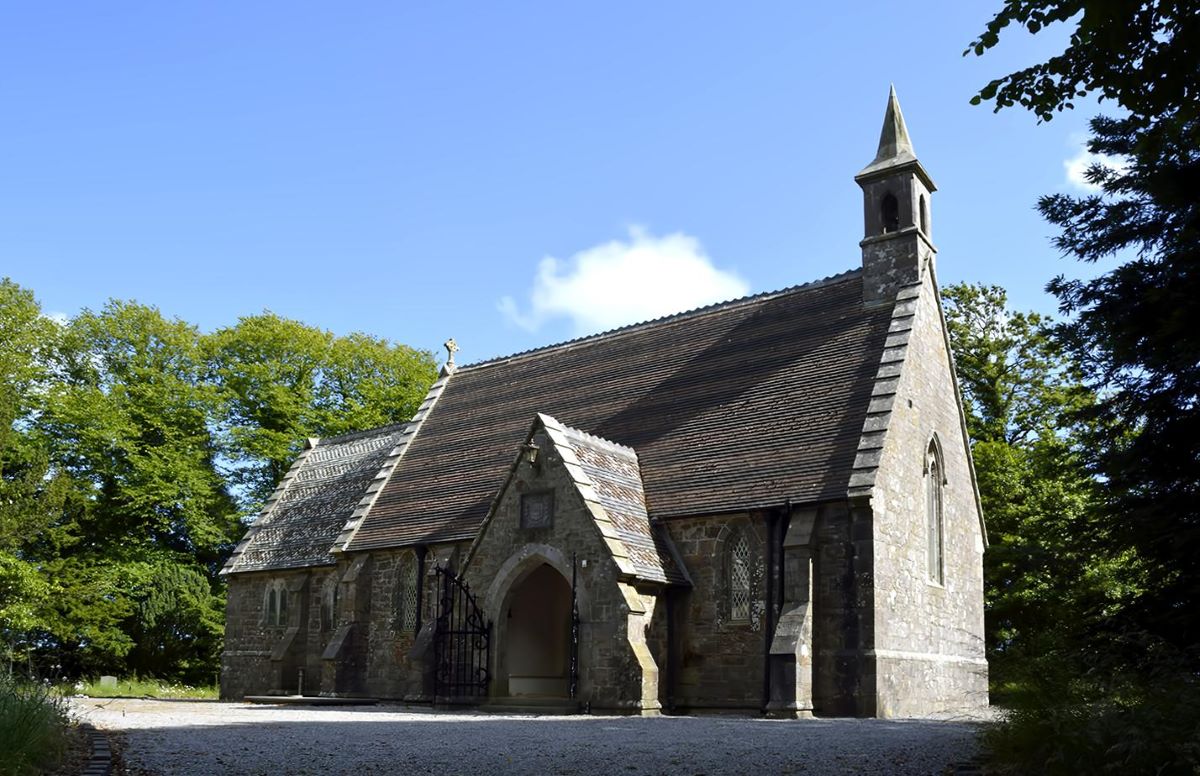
739 406
321 491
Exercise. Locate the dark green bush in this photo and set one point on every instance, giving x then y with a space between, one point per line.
1142 723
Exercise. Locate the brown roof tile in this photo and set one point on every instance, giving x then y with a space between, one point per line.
739 406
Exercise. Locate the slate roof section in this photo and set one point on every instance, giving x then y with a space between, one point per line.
738 406
615 477
301 520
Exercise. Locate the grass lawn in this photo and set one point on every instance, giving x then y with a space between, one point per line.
141 688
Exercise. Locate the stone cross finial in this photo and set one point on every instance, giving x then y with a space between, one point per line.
451 348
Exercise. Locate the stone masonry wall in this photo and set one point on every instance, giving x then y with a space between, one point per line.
720 660
613 668
261 658
399 659
929 646
843 611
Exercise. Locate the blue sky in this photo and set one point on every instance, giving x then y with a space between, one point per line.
510 174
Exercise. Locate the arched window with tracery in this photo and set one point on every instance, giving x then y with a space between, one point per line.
276 603
329 602
935 480
407 593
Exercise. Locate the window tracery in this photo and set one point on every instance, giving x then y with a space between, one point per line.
407 594
276 604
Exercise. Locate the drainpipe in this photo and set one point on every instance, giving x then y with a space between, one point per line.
669 594
421 550
785 523
777 526
769 626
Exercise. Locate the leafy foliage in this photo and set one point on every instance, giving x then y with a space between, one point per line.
282 381
1135 329
1050 580
129 420
129 445
1142 55
177 622
1016 381
1108 721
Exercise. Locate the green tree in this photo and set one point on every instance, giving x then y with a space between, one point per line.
282 381
177 625
1049 580
128 419
124 436
1135 329
30 497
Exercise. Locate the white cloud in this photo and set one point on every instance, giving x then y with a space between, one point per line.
625 281
62 319
1076 167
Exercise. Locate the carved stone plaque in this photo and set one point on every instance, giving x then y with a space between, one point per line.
537 509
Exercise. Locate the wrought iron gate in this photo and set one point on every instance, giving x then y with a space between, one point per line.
573 668
462 643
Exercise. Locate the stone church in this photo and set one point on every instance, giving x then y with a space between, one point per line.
765 505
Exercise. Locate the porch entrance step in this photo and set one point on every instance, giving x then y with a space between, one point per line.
526 705
310 700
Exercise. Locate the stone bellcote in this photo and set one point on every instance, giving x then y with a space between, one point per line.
896 246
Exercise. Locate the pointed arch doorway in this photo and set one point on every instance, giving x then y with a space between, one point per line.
535 648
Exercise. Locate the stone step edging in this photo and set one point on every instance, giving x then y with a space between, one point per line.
101 761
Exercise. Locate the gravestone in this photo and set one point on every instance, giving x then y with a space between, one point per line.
108 681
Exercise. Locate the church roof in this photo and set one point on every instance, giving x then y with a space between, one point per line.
615 478
738 406
312 503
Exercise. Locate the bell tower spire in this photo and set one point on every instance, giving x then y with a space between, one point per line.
897 246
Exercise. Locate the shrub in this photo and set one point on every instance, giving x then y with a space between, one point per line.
33 722
1144 724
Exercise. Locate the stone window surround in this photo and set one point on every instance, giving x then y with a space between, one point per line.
407 592
329 602
933 472
275 604
732 536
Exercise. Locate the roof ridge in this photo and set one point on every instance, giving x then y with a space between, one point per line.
350 436
696 311
593 437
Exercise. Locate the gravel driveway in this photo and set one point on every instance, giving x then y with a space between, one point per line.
207 737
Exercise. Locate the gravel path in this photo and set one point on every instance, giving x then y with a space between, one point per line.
199 737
